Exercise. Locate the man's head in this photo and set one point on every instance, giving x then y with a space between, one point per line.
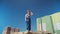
28 12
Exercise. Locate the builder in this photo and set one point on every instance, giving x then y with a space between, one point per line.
28 19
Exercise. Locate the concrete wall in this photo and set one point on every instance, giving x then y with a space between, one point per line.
51 21
56 22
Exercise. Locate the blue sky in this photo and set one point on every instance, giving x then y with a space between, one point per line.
12 12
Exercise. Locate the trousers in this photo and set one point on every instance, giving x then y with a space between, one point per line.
28 24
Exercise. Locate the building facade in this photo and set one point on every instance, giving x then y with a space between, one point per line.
49 23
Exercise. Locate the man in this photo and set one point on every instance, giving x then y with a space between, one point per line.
28 19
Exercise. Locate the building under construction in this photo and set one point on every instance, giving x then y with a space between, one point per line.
49 24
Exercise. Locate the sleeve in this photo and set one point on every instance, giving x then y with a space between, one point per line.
25 16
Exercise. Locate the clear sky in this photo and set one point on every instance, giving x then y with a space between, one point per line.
12 12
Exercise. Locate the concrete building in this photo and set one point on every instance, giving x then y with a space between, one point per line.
49 23
9 30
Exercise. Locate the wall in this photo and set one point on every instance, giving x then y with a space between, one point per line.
52 23
56 21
